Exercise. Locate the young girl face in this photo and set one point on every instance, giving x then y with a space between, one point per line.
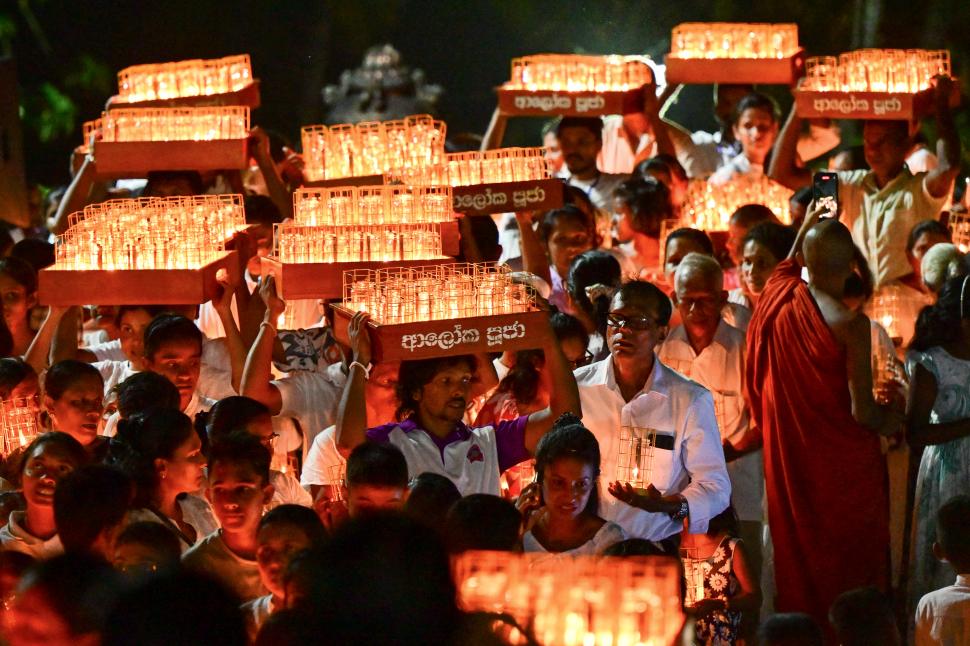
44 468
756 130
16 301
183 472
566 486
78 410
757 263
567 240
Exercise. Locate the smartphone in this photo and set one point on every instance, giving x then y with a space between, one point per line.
825 192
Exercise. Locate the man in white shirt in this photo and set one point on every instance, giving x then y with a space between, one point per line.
711 352
581 140
881 206
943 616
633 388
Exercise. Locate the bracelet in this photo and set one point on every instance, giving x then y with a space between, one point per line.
269 325
362 367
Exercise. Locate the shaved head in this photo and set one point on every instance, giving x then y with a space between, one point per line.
829 249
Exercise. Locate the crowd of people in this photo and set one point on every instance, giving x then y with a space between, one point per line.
201 476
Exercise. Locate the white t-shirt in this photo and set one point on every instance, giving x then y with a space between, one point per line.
311 397
212 556
608 534
321 458
738 166
14 537
113 373
943 616
287 491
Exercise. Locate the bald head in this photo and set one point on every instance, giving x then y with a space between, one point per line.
829 249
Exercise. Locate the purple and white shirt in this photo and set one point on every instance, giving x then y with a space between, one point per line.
472 458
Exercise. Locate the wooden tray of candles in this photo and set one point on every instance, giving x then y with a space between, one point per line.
542 103
357 180
136 286
531 195
248 96
138 158
763 71
448 337
897 106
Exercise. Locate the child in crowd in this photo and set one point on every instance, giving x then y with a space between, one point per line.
283 532
47 459
377 479
162 453
238 488
566 492
790 629
430 497
864 616
143 391
593 277
90 509
943 616
144 548
729 588
73 395
244 414
173 348
483 522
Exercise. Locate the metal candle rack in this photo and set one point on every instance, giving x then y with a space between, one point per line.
372 148
146 250
722 52
18 417
634 463
709 207
184 79
572 84
460 308
575 601
873 84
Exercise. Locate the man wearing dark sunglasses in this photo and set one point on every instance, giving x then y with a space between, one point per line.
679 463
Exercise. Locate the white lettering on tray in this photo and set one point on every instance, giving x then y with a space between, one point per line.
448 339
853 104
553 102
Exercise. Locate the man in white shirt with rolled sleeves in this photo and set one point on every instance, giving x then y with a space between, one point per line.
688 478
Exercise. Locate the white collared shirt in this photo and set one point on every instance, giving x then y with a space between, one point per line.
720 368
880 219
943 616
671 405
739 166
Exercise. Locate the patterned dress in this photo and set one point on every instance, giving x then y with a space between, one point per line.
944 469
720 628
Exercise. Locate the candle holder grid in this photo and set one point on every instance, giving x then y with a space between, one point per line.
189 78
635 450
709 207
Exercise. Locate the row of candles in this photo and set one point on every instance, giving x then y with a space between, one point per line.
184 78
375 243
435 293
372 205
575 601
372 148
170 124
18 421
471 168
734 40
709 207
876 70
150 233
578 73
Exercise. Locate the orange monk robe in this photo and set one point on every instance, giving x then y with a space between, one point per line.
826 483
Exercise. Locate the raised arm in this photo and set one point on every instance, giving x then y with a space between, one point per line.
77 195
496 131
38 354
563 393
939 181
237 350
651 111
351 428
259 148
784 167
257 377
534 257
811 219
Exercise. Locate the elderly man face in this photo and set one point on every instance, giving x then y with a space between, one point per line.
699 292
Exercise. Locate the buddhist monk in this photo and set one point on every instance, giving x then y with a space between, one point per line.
810 382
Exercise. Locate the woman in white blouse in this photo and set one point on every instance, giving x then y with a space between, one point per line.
567 469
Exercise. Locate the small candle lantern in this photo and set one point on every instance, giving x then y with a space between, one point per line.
635 460
18 416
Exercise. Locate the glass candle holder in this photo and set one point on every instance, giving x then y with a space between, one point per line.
708 207
635 456
578 73
184 78
876 70
734 40
18 417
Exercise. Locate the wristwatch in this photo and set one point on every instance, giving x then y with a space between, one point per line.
682 512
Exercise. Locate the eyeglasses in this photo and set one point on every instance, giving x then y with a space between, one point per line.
636 323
